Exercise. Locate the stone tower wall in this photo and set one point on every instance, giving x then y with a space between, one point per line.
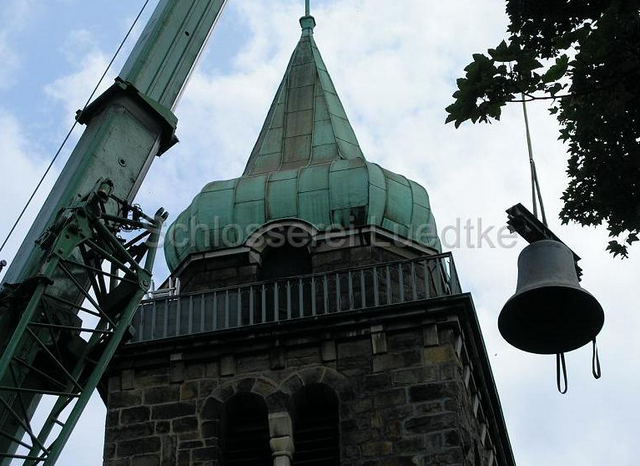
405 384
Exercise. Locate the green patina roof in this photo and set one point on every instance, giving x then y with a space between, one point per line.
306 165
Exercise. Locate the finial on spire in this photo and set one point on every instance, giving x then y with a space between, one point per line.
307 22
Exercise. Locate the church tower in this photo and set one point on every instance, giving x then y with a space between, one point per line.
310 318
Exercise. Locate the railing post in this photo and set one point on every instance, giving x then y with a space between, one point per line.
414 290
153 320
215 311
300 298
140 332
376 292
350 285
165 318
202 312
325 295
264 304
363 291
401 282
289 300
178 314
455 280
190 324
313 296
338 303
276 303
239 307
226 309
251 318
389 294
439 277
427 282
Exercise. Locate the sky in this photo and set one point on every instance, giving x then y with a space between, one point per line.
394 65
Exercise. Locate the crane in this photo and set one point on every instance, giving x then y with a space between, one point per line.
68 297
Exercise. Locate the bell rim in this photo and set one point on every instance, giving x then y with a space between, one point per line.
593 313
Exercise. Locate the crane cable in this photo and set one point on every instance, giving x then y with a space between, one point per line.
536 194
75 123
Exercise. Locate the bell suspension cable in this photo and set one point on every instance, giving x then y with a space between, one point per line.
68 135
536 193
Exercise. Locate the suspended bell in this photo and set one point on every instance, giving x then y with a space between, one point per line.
550 313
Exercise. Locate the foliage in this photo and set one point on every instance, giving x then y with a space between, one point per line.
584 55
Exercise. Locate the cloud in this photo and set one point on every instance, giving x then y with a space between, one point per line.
14 15
87 62
395 69
22 167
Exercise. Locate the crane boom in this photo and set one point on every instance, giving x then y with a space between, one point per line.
130 123
47 348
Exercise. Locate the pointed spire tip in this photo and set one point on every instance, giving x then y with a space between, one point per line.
307 22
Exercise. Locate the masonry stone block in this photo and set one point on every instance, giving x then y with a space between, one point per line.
129 432
264 387
146 460
159 395
425 424
328 351
433 391
151 377
253 363
394 397
190 390
172 410
135 415
227 365
277 401
204 454
377 449
127 379
378 340
125 399
439 354
138 446
184 424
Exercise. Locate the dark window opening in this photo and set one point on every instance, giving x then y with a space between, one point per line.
247 431
316 427
285 261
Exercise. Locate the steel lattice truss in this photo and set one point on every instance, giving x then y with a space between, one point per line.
60 345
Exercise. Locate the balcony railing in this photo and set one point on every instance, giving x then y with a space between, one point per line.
297 298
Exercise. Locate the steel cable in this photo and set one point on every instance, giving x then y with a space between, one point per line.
73 126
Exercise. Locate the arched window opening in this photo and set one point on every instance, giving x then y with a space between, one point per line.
246 435
286 255
316 430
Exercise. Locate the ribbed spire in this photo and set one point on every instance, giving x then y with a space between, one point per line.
306 124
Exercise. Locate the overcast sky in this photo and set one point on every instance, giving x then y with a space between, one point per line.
394 65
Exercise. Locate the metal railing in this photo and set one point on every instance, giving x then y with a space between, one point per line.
297 298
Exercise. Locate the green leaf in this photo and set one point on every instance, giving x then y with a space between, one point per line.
558 70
